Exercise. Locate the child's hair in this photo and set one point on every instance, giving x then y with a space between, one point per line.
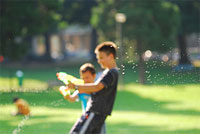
87 67
15 99
108 47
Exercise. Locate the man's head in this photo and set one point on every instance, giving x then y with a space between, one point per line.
87 73
106 53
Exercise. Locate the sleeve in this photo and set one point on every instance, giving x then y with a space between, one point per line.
76 93
108 79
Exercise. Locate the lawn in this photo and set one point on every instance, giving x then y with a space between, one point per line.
138 109
167 104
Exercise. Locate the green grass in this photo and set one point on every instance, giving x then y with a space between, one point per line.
138 109
157 73
167 104
34 79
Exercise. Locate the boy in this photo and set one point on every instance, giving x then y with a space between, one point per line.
103 92
22 106
88 75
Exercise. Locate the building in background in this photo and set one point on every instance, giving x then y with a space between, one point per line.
73 44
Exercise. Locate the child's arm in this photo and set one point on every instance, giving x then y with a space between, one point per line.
65 91
73 97
90 87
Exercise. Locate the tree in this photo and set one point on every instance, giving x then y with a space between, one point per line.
190 23
153 25
77 11
22 19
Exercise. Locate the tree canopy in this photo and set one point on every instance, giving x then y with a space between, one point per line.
153 25
22 19
189 23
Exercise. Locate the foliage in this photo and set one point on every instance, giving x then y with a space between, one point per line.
150 25
20 20
190 12
103 19
77 11
154 23
23 19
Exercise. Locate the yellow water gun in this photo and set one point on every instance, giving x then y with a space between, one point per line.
65 78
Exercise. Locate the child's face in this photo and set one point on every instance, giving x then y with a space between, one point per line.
104 59
88 77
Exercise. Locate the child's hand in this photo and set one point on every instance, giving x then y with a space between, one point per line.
64 90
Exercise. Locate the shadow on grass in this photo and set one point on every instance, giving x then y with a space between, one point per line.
125 101
129 101
125 128
46 127
37 127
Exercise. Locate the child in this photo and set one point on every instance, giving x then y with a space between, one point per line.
22 107
88 75
103 92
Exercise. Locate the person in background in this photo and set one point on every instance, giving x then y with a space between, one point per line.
22 106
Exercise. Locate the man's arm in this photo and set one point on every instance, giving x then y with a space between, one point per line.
90 87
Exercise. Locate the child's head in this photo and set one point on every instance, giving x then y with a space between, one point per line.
87 73
106 53
15 99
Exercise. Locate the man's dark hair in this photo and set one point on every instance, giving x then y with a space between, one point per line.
87 67
108 47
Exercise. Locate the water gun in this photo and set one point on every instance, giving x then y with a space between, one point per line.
65 78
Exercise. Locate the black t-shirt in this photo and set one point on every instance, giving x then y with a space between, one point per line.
102 102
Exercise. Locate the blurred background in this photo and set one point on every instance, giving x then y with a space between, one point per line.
158 59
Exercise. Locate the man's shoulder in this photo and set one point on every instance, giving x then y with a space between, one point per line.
114 70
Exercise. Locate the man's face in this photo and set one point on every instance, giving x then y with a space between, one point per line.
103 59
88 77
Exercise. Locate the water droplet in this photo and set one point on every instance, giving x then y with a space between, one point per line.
147 72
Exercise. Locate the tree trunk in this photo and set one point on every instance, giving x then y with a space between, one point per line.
141 67
94 38
183 50
47 55
62 43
